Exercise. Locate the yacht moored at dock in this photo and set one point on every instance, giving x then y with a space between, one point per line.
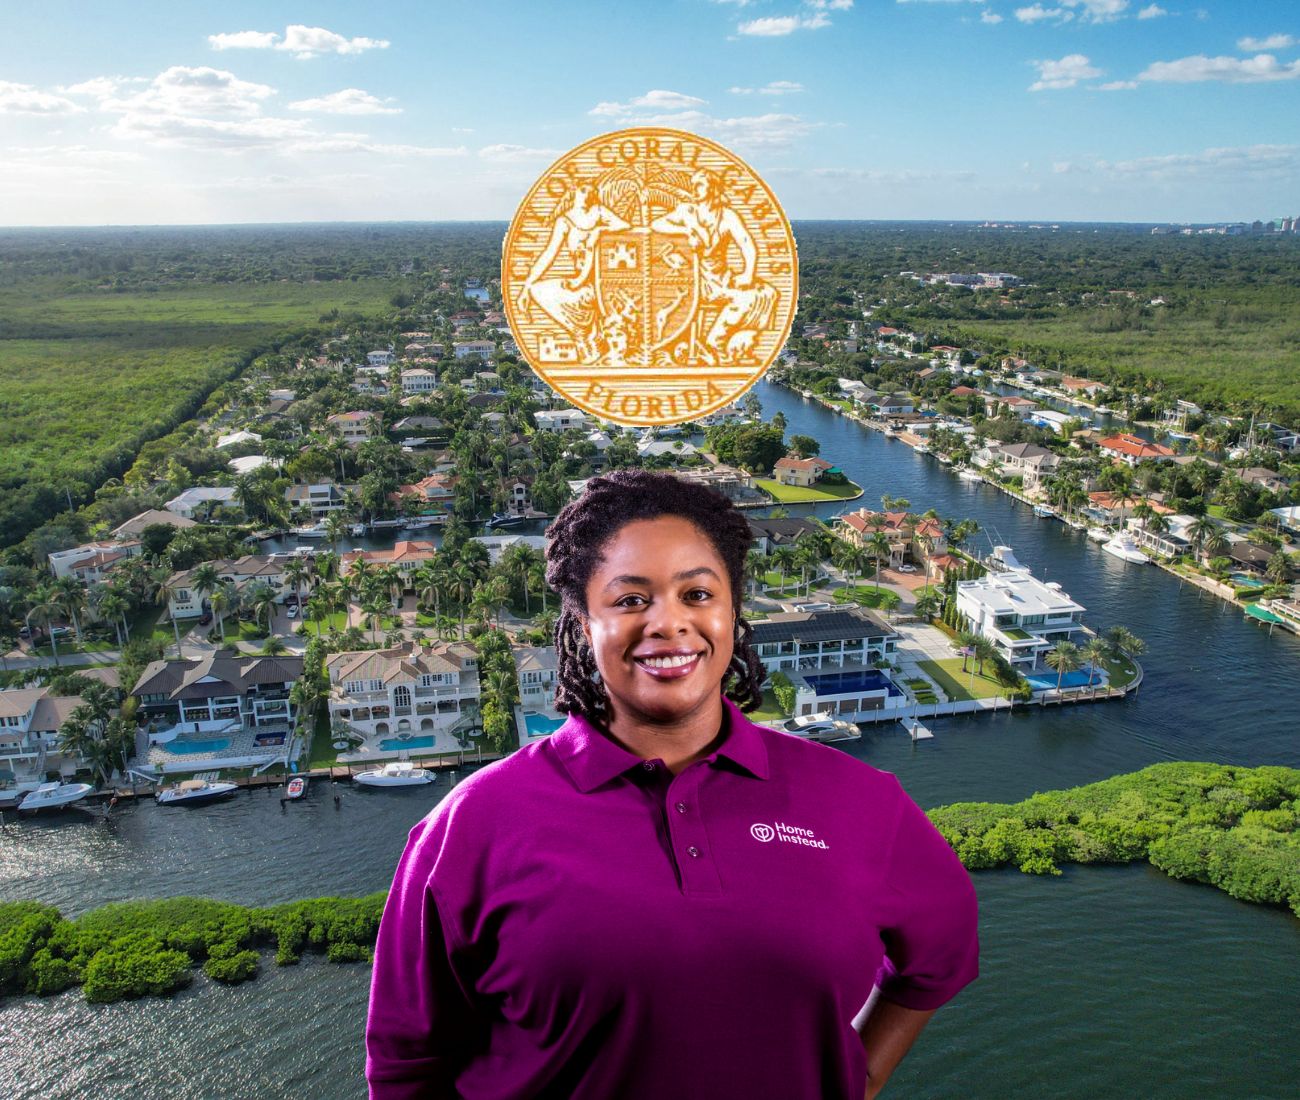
194 792
400 773
1123 547
54 796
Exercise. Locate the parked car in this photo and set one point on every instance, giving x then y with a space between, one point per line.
907 568
293 611
205 618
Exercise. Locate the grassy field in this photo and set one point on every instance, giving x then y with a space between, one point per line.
87 378
792 494
959 685
1226 346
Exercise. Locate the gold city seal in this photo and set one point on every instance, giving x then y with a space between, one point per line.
650 276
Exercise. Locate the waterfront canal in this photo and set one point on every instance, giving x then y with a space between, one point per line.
1103 982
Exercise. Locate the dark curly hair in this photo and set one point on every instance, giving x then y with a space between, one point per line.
579 534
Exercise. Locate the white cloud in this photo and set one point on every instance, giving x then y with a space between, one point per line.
1152 11
772 87
359 143
1231 70
226 134
1118 85
1065 73
99 87
1272 42
1036 13
992 18
777 26
1087 11
301 41
462 129
182 90
655 99
24 99
243 40
350 101
1250 160
516 152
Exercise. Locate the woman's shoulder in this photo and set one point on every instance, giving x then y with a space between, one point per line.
483 795
796 757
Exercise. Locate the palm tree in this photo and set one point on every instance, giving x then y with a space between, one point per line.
1095 653
783 558
274 646
45 605
927 606
297 572
205 579
877 545
113 606
336 526
221 600
496 594
984 650
163 590
1122 642
537 577
1200 532
804 556
71 596
1064 658
463 581
966 639
261 599
1278 568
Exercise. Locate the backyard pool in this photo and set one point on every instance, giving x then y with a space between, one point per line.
1246 580
539 725
395 743
855 682
187 748
1046 681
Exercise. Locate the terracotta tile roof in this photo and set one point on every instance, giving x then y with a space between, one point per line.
1135 447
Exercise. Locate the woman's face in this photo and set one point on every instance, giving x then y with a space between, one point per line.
660 620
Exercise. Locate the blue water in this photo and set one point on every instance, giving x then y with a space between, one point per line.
539 725
836 683
394 743
1042 681
187 748
1245 580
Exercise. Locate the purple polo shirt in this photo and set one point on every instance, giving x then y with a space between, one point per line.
573 921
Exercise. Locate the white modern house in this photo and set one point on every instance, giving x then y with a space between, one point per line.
558 420
413 696
419 380
220 689
91 560
200 500
1021 615
792 641
30 719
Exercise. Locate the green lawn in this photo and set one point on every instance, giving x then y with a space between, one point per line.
1121 673
882 599
337 620
769 712
1216 510
791 494
958 685
322 753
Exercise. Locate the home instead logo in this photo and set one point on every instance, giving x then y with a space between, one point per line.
786 834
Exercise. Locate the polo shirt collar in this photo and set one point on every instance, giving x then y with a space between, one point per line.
592 759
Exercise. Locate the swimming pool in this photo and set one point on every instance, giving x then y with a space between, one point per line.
538 725
1246 580
395 743
856 681
187 748
1046 681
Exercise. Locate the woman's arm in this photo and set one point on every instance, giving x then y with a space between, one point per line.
888 1034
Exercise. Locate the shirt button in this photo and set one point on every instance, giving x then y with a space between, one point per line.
681 807
649 765
694 852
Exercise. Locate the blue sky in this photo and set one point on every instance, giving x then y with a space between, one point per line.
1127 110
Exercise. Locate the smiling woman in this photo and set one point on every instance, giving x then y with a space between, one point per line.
662 898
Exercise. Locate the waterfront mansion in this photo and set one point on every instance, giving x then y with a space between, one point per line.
790 641
1021 615
411 689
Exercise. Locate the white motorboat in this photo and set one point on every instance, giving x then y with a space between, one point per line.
1042 511
820 727
53 796
970 475
1123 547
358 530
921 448
400 773
1102 410
315 531
194 792
296 787
1099 534
423 523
